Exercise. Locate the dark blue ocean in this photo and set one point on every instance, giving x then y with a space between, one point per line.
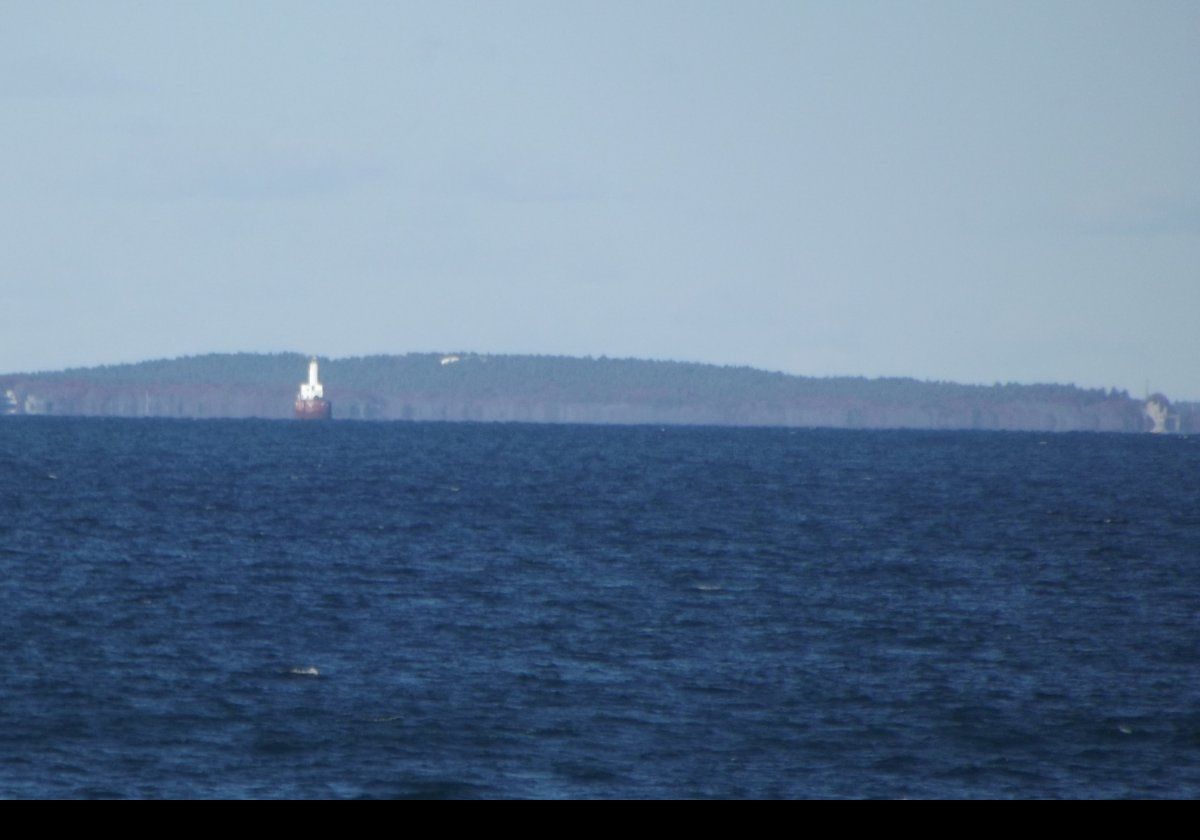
272 609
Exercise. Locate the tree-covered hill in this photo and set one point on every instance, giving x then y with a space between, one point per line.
468 386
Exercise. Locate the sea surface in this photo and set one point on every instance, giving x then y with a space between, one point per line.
273 609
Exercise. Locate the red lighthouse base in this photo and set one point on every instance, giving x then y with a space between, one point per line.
314 410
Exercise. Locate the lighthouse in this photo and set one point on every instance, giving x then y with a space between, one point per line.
310 402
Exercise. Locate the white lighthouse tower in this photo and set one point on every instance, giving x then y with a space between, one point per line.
312 389
310 402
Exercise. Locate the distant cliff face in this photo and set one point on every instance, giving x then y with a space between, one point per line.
561 390
1164 418
88 399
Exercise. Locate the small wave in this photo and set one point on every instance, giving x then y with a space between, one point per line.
305 672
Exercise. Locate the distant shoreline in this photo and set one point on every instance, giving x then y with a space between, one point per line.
559 389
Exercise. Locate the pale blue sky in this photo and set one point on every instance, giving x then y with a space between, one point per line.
964 191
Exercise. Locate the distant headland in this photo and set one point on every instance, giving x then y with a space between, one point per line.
558 389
